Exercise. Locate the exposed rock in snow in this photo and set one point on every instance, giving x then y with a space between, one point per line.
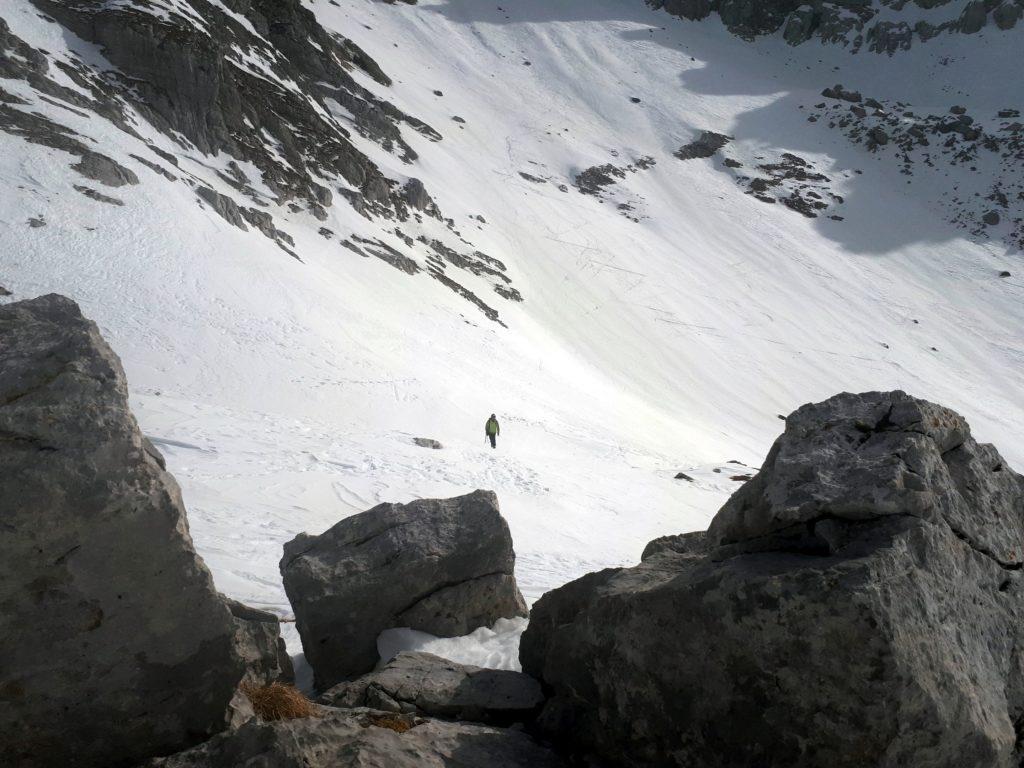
495 647
790 180
593 180
258 640
115 644
366 738
985 152
427 442
421 683
443 566
705 145
872 567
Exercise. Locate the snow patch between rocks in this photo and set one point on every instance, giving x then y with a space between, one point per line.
496 647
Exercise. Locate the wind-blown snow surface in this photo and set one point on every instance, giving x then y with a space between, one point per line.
285 395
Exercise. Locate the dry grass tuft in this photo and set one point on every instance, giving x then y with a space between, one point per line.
396 723
278 701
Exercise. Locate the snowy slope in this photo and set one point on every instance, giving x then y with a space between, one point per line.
285 394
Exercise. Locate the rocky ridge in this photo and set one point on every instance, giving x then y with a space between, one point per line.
424 684
856 25
118 649
259 90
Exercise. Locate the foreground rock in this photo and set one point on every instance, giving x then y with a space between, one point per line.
365 738
856 604
426 684
443 566
259 642
114 645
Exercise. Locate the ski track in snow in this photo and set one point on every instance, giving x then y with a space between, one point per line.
285 396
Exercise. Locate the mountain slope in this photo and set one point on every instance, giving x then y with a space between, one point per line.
671 308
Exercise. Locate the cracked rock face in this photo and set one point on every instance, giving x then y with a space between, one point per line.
862 457
114 645
443 566
856 604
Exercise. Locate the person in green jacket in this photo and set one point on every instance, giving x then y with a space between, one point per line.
492 430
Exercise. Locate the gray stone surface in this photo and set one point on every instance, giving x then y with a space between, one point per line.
861 457
861 609
114 644
426 684
442 566
343 738
681 542
188 88
259 642
427 442
850 23
974 17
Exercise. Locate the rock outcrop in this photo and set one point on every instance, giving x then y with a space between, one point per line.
421 683
261 84
851 23
443 566
259 642
705 145
365 738
115 646
918 143
856 604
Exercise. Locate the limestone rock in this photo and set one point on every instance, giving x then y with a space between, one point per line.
1007 14
368 739
705 145
443 566
861 457
259 642
429 685
101 168
857 604
115 645
683 543
974 17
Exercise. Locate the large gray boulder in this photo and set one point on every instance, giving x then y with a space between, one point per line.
367 739
856 604
114 644
443 566
426 684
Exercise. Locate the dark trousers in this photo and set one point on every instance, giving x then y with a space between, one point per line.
494 440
